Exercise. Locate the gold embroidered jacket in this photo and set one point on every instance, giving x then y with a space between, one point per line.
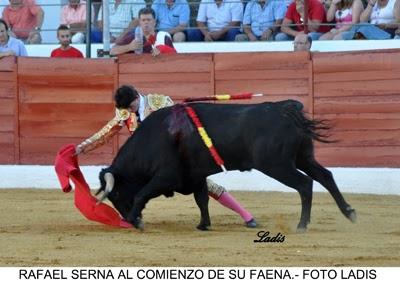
152 102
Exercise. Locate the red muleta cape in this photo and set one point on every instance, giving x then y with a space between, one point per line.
67 167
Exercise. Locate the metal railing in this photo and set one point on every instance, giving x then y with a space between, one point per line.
193 4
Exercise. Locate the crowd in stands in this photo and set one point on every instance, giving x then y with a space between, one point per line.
216 20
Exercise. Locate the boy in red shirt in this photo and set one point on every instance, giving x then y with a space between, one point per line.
65 50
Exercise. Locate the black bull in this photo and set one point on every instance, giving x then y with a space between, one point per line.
166 154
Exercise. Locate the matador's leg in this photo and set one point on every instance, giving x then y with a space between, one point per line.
220 194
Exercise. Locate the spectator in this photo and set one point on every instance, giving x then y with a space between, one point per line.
152 42
65 50
383 14
25 20
73 16
261 20
382 24
218 21
346 13
295 15
173 17
302 42
10 46
123 17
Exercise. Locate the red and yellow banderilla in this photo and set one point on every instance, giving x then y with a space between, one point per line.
200 128
204 136
223 97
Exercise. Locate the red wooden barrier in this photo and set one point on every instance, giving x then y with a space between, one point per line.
63 101
46 103
360 92
279 75
9 141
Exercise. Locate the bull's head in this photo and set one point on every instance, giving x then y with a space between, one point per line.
114 188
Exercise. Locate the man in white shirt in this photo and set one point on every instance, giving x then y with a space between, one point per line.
123 16
219 21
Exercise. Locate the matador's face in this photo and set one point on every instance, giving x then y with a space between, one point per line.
134 106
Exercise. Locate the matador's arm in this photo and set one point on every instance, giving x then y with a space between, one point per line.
106 133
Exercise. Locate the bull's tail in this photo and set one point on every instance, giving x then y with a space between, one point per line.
316 129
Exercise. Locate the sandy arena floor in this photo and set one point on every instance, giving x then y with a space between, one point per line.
43 228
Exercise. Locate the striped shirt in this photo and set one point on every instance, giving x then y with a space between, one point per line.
123 14
261 18
169 18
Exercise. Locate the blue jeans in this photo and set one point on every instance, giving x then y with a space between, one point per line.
285 37
369 31
96 35
197 35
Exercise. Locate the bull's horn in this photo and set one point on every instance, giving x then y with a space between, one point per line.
109 178
98 191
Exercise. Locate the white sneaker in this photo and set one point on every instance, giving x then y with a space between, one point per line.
78 37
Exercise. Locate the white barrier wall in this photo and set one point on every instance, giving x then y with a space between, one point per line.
44 50
350 180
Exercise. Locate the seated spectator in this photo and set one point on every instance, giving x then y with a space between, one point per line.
302 42
123 17
346 13
295 15
10 46
382 13
218 21
65 50
152 42
173 17
261 20
73 15
25 20
382 24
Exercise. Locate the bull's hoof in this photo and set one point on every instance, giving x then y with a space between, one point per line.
203 227
352 215
301 228
252 223
138 223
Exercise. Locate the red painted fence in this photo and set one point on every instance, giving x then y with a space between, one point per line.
46 103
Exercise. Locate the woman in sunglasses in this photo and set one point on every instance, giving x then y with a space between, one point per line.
345 13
